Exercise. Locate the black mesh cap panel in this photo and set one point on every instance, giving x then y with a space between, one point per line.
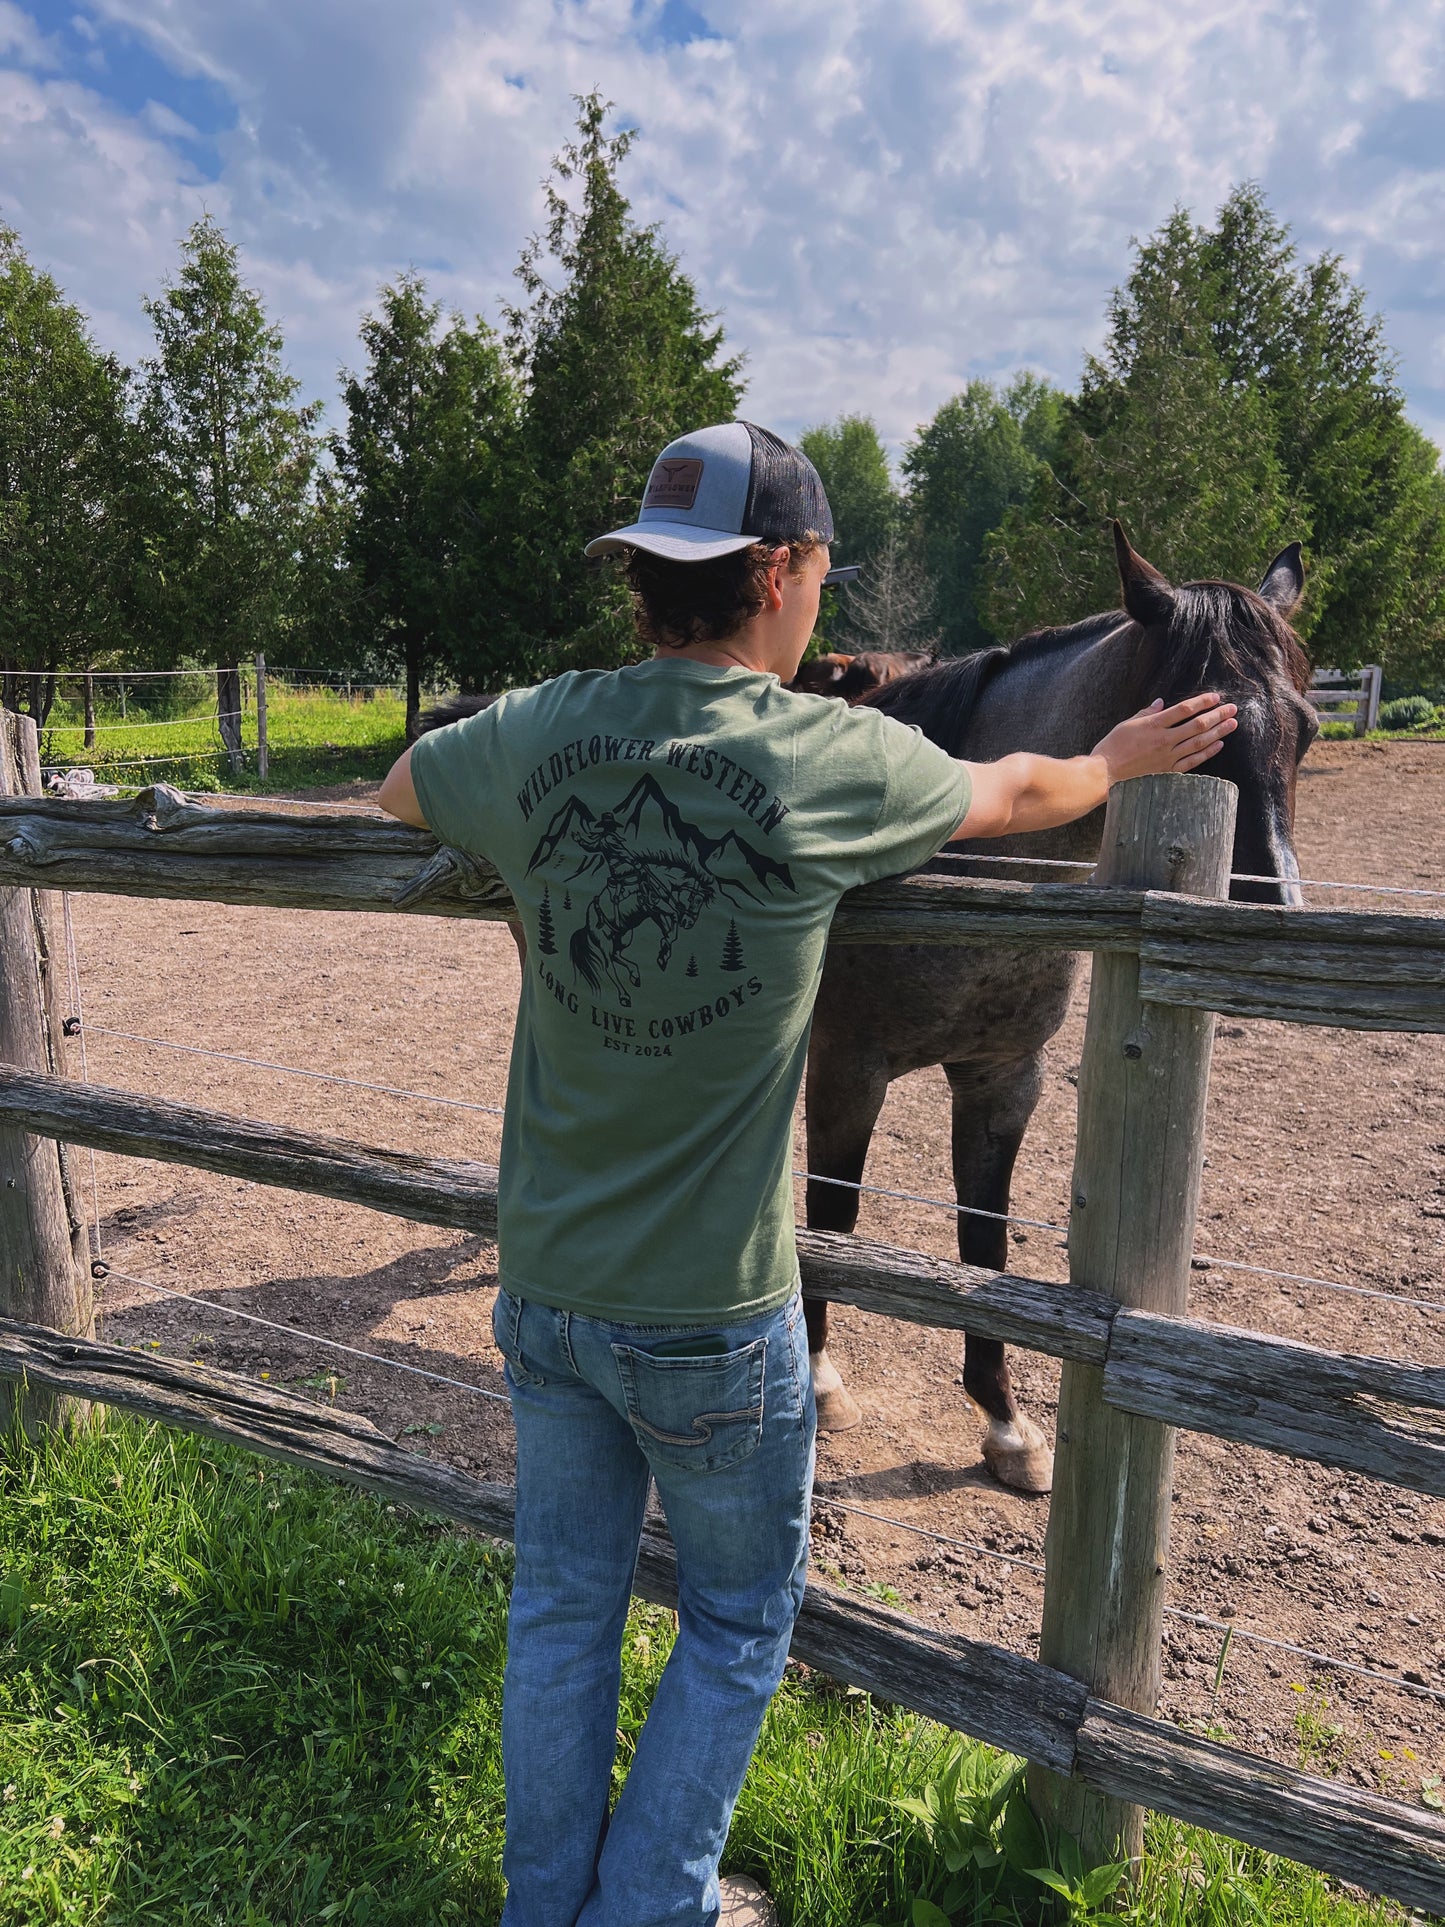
786 499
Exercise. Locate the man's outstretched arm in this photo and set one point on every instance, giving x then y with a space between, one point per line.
1024 792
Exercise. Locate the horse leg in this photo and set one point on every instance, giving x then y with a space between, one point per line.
844 1099
991 1110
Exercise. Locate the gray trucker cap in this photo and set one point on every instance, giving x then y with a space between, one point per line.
721 489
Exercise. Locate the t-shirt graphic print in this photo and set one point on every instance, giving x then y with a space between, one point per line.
638 881
676 837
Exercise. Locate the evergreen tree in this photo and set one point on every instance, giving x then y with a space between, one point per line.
618 358
64 465
429 436
546 935
1242 400
691 970
732 954
1369 480
980 454
231 458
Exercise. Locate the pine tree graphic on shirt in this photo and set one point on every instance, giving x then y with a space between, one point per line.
691 970
566 899
546 935
732 955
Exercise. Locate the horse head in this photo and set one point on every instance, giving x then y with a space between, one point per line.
1218 635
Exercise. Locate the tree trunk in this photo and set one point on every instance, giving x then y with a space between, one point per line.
44 1264
228 709
413 684
88 684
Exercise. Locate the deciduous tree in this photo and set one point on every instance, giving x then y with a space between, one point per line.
979 454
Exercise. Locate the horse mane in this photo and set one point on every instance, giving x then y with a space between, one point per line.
941 699
452 709
1218 633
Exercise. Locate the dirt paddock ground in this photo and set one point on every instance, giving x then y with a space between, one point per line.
1326 1156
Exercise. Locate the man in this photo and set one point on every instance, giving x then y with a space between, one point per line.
676 835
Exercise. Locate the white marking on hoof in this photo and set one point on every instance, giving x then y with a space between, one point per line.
1018 1455
837 1408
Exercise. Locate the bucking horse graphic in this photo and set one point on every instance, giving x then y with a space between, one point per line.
656 868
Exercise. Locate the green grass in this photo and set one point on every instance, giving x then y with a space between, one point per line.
235 1695
315 736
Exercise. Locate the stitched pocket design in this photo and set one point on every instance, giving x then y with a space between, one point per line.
507 1331
699 1414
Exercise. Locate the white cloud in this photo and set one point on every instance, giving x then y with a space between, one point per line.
882 196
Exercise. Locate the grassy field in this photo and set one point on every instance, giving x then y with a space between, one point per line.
235 1695
315 736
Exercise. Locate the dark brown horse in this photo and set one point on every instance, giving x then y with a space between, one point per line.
985 1015
854 677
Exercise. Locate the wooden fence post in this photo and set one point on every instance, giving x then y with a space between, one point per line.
88 690
263 747
1143 1082
44 1263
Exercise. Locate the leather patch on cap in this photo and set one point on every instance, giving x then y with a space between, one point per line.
673 483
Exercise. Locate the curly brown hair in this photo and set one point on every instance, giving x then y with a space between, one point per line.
676 604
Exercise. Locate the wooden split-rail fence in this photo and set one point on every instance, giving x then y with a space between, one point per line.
1168 954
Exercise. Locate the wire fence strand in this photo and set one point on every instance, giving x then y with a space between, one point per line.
839 1505
1172 1612
294 1070
812 1177
312 1338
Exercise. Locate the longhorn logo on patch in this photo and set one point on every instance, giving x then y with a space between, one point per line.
673 483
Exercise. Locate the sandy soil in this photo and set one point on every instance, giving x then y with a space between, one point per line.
1326 1156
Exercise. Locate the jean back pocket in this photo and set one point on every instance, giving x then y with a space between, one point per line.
699 1414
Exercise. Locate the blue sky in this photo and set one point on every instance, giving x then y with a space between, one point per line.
883 199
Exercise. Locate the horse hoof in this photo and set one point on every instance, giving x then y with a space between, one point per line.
1019 1456
837 1408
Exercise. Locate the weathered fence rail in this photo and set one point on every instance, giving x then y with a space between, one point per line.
1371 1415
1348 968
1353 689
1140 1366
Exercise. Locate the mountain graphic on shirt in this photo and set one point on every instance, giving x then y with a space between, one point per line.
648 818
655 868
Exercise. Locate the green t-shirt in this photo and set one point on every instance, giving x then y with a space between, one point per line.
676 837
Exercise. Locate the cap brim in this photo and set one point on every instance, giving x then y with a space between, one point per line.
676 541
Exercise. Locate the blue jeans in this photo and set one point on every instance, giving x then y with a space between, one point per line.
722 1418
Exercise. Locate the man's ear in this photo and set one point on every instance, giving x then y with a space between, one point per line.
1148 598
1284 581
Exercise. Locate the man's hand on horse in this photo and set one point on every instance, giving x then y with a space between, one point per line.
1021 793
1167 742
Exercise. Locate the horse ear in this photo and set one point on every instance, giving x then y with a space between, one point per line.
1147 596
1284 581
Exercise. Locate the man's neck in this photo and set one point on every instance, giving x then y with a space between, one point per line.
720 655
